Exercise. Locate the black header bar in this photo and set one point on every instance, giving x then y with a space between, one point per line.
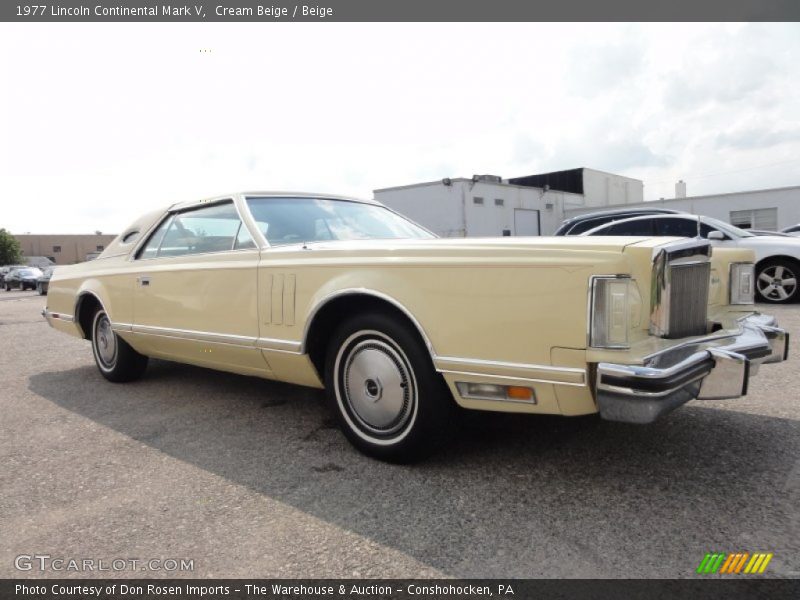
401 10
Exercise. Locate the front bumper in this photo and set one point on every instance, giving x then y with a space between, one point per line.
711 368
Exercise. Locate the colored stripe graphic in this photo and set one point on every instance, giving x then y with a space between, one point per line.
702 566
734 563
764 564
740 564
727 564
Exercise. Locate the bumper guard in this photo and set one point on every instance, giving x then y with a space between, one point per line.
711 368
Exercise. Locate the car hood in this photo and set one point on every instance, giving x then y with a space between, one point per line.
766 246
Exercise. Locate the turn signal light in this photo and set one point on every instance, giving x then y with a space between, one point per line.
492 391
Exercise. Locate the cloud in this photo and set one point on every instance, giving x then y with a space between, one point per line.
604 68
757 137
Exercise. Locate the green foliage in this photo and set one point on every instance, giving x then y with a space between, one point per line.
10 252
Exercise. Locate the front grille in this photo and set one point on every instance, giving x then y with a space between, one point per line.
688 299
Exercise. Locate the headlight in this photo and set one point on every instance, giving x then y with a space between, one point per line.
742 283
614 302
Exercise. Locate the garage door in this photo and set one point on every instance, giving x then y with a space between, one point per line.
526 221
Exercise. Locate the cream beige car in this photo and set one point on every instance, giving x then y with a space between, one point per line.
401 328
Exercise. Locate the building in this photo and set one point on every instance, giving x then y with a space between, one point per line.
64 249
488 205
770 209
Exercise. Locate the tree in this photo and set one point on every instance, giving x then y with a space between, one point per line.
10 252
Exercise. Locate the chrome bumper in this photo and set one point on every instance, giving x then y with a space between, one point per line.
711 368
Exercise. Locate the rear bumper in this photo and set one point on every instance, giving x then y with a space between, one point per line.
712 368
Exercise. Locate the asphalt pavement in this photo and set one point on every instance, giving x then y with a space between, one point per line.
250 478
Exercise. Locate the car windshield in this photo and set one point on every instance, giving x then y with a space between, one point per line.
29 272
296 220
731 230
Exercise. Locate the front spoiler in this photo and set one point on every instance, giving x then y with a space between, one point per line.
713 368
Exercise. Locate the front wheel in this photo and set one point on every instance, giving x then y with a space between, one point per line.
777 281
115 359
382 386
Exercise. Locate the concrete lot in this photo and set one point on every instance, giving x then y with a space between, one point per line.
250 478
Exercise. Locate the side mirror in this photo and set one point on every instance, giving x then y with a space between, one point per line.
716 235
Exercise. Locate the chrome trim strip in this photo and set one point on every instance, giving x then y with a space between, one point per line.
244 341
191 334
47 314
366 292
510 378
278 345
516 371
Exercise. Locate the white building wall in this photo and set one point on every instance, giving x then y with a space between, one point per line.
451 210
720 206
602 189
434 206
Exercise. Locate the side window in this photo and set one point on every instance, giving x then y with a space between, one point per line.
588 224
643 227
243 239
214 228
676 227
150 249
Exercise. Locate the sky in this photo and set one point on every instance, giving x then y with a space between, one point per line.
105 121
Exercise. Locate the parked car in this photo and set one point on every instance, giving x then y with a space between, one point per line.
22 278
777 258
769 233
793 230
5 270
581 223
400 327
44 281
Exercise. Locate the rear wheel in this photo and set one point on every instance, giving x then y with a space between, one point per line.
382 386
777 281
115 359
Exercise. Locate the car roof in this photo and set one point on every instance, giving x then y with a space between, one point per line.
620 211
687 216
270 194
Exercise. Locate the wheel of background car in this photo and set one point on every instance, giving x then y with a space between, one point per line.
382 386
777 281
115 359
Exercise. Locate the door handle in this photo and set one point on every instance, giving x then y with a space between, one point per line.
143 281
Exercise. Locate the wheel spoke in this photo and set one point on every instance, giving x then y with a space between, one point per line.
779 272
782 293
790 282
764 277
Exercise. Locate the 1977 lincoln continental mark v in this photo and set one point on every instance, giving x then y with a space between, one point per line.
400 327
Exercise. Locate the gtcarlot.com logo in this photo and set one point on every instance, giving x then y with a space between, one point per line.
45 562
735 563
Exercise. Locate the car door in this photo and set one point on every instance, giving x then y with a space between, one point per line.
195 296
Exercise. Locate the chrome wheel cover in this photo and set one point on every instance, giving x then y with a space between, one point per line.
376 387
777 283
105 342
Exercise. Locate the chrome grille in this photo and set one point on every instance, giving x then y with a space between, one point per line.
679 289
688 299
